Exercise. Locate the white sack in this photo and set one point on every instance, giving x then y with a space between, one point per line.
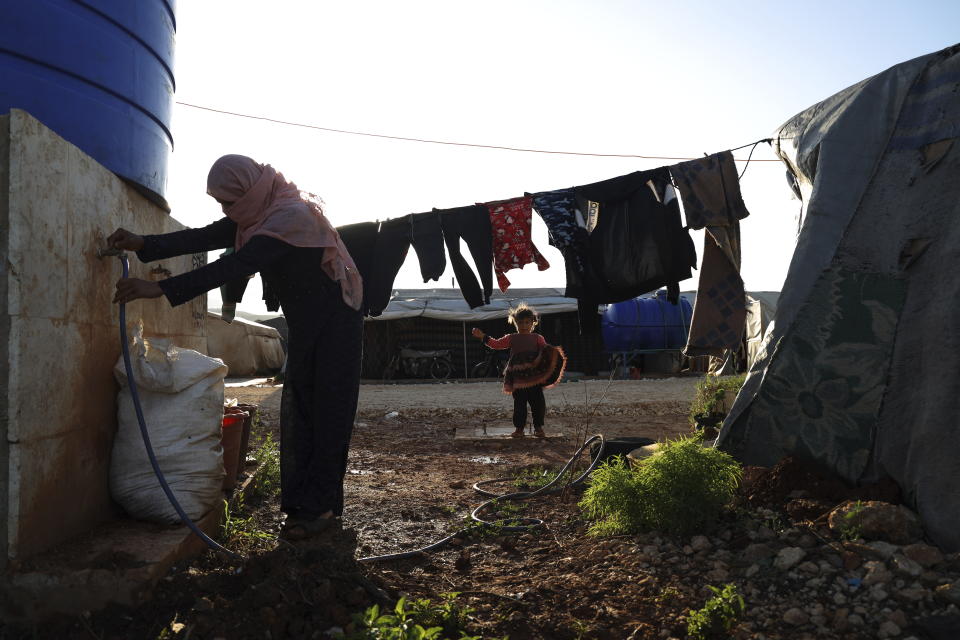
181 393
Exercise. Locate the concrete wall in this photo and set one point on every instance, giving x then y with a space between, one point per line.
59 332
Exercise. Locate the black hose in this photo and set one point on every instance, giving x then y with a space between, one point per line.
125 347
518 524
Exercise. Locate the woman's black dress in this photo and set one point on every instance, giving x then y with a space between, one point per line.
321 384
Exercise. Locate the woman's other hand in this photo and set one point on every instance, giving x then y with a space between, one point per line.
477 333
130 289
123 239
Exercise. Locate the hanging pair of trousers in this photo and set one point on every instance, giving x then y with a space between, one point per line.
538 406
423 231
473 225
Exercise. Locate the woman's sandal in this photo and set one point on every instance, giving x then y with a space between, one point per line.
303 528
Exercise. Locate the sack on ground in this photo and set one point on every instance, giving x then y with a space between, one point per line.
181 393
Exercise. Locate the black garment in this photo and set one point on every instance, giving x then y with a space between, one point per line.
638 243
360 240
473 225
323 370
538 406
423 231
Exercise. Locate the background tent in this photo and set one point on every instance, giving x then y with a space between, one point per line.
246 347
859 372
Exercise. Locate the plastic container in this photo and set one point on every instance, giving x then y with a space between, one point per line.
252 410
646 323
230 439
100 74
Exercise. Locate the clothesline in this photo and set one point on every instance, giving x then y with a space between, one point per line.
460 144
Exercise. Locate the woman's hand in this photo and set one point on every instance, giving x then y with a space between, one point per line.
123 239
478 334
130 289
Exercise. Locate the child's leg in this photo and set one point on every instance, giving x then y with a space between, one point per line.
519 409
538 405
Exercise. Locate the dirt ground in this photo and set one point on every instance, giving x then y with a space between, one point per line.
409 483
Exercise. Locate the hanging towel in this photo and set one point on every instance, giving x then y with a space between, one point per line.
512 242
710 190
360 240
473 225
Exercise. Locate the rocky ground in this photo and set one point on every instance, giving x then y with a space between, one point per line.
805 568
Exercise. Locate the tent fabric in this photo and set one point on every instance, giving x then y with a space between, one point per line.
858 371
246 347
448 304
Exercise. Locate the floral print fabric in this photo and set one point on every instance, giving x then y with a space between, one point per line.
512 243
821 393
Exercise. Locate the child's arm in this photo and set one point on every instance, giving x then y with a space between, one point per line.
497 343
541 341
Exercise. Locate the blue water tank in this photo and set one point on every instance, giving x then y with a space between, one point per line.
646 323
100 74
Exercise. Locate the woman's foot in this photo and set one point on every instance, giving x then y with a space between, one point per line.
518 433
303 527
538 432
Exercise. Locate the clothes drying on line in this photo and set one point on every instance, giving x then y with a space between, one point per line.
512 242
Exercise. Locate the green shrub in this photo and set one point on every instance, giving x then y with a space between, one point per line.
718 615
681 490
709 394
419 620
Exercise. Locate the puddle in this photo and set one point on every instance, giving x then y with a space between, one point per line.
367 472
485 459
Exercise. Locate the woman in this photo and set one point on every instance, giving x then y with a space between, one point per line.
306 271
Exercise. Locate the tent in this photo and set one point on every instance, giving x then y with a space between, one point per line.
448 304
246 347
761 305
859 370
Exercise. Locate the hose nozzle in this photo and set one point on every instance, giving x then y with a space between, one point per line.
108 252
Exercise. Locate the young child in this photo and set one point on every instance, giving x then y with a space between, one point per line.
533 366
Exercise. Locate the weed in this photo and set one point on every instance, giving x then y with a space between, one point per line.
851 528
267 482
533 478
709 394
668 595
718 615
580 628
681 490
238 530
421 619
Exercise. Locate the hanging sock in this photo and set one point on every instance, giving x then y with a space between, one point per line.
513 246
710 191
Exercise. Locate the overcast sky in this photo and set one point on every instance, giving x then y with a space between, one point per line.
628 77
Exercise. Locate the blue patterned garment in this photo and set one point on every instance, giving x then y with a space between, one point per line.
558 210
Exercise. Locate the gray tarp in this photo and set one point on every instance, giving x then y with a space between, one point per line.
448 304
246 347
859 371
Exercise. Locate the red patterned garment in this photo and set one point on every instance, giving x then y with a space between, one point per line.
512 244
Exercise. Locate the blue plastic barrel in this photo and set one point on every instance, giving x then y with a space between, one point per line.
646 323
100 74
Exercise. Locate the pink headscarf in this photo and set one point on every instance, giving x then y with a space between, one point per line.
266 204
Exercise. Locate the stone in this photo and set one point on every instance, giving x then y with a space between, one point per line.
809 567
875 520
840 620
905 566
757 552
795 616
911 594
885 549
878 594
855 620
899 618
888 630
788 557
948 593
877 573
923 554
751 571
700 543
717 575
851 561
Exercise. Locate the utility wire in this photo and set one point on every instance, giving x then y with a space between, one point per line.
456 144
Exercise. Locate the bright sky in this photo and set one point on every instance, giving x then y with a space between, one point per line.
597 76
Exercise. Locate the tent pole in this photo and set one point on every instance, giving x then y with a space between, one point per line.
466 369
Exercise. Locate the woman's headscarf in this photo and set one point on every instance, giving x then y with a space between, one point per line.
265 203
